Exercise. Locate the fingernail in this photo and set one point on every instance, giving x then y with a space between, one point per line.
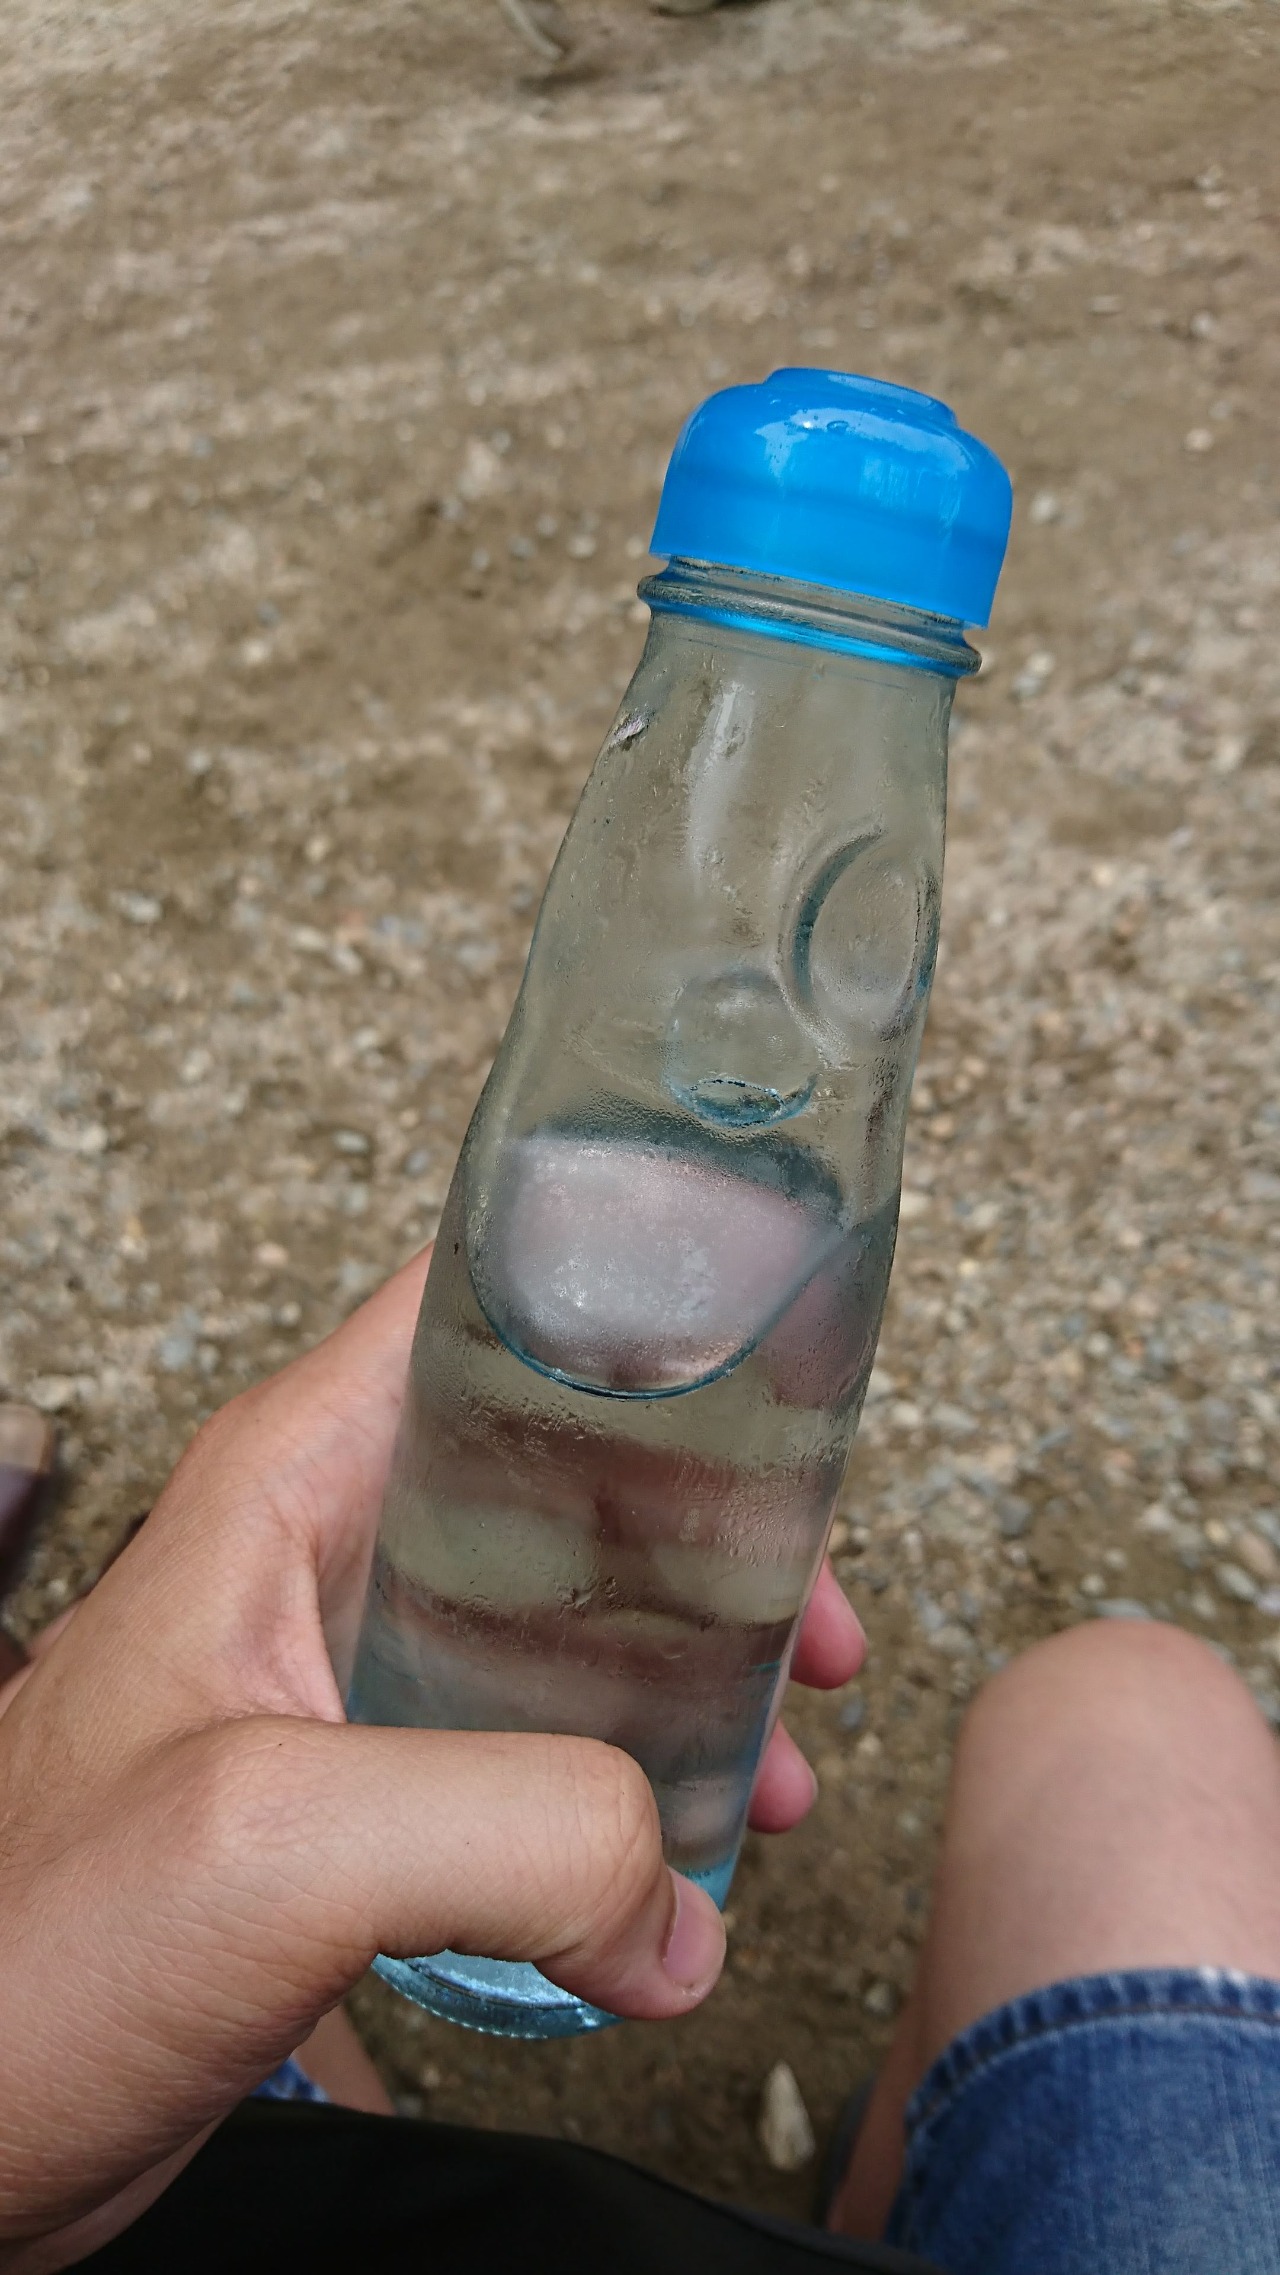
694 1950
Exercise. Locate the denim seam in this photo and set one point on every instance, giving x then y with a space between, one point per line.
964 2063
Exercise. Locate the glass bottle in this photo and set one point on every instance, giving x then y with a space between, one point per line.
657 1286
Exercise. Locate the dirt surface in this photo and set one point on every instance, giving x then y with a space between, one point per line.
341 355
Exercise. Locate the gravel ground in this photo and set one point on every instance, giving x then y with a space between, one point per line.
342 352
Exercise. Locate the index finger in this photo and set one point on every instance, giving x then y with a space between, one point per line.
311 1447
831 1645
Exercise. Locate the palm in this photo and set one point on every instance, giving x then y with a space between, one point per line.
283 1561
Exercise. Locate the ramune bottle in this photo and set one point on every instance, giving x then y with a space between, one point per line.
659 1277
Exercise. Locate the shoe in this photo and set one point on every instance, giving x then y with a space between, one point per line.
544 24
27 1445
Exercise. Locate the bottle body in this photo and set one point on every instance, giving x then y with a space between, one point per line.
658 1282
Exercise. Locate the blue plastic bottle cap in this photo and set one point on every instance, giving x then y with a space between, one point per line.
830 479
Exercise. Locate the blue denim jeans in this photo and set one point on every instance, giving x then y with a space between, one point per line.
289 2083
1118 2125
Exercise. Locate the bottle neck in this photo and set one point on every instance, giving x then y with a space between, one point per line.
814 616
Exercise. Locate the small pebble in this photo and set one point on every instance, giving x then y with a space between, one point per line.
881 1999
785 2132
1036 671
1013 1516
951 1639
355 1278
53 1393
1121 1607
544 24
1235 1582
1258 1556
138 908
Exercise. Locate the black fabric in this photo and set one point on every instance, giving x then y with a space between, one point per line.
284 2188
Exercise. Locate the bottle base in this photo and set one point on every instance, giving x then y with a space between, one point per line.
509 1998
503 1997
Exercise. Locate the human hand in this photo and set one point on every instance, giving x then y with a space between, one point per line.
198 1856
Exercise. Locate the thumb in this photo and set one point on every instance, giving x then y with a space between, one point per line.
356 1840
224 1894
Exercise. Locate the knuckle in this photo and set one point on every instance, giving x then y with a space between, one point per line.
617 1819
199 1472
218 1430
244 1842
